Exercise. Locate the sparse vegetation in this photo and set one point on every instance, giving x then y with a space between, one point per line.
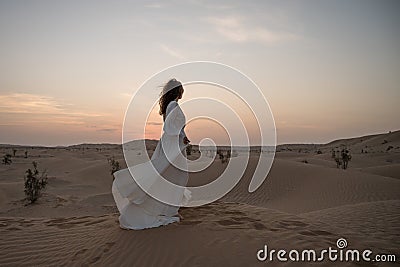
389 148
341 158
14 152
26 154
222 157
34 183
114 164
189 150
7 159
338 162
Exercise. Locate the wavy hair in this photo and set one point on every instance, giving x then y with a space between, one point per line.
171 91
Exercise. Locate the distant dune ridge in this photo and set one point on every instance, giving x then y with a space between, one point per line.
305 202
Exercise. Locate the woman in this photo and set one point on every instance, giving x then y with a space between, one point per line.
137 209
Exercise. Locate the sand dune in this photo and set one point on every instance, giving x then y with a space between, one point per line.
314 187
300 206
227 234
377 224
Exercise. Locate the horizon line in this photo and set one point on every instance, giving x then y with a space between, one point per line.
256 145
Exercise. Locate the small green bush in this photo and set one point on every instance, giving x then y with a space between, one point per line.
222 157
189 150
34 183
114 164
7 159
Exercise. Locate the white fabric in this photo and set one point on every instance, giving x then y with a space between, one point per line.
137 209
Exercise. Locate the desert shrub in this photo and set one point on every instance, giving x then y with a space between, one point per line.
189 150
344 159
389 148
34 183
304 161
7 159
223 158
319 151
338 162
114 164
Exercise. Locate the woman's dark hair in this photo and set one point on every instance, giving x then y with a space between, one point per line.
171 91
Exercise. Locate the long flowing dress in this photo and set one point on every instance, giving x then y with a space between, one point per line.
137 209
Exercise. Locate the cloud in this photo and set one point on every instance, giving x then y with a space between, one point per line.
154 5
171 52
154 123
28 103
234 29
281 124
107 130
214 5
23 109
127 95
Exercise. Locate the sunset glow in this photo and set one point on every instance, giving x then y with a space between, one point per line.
70 68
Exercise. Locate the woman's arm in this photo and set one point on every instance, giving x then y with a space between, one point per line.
183 135
175 120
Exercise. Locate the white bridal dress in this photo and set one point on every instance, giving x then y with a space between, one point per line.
137 209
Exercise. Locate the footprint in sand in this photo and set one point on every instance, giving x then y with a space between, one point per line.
95 221
107 248
79 252
239 213
189 222
259 226
95 259
316 233
228 222
291 224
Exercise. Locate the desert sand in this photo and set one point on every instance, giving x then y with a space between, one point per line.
305 203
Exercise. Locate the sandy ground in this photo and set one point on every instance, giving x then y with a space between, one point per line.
300 206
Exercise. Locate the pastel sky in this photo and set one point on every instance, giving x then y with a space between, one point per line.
329 69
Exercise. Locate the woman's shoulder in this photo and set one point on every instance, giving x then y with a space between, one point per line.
173 103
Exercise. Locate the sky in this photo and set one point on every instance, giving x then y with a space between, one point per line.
328 69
